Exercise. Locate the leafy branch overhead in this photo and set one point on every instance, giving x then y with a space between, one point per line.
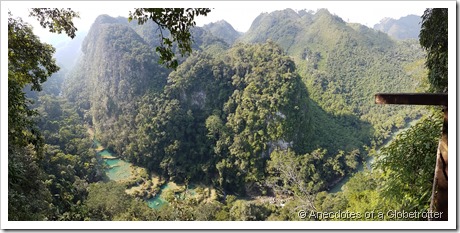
178 21
57 20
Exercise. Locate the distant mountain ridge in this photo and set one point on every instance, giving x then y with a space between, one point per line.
407 27
223 30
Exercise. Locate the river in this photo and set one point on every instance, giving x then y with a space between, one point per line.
338 187
121 171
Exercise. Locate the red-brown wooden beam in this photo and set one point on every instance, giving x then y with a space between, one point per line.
439 195
411 98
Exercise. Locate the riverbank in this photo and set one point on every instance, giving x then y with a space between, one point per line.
151 188
337 187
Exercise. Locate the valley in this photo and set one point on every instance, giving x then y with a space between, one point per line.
248 126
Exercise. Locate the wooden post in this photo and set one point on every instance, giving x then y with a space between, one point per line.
439 197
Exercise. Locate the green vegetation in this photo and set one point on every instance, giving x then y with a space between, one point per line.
433 38
343 66
401 179
56 20
30 63
408 164
403 174
178 22
262 124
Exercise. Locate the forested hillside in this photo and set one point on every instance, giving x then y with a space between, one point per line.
267 121
197 120
343 65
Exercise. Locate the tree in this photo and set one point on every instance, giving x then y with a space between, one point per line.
178 21
248 211
30 62
28 196
433 37
57 20
408 164
295 175
109 201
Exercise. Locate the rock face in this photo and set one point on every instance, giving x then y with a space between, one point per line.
117 67
407 27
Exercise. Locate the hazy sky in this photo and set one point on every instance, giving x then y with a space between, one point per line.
239 14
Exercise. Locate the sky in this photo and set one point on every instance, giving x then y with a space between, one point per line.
239 14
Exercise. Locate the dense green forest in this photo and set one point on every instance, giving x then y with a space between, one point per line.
265 122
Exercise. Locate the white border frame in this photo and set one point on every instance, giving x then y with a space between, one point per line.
451 224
